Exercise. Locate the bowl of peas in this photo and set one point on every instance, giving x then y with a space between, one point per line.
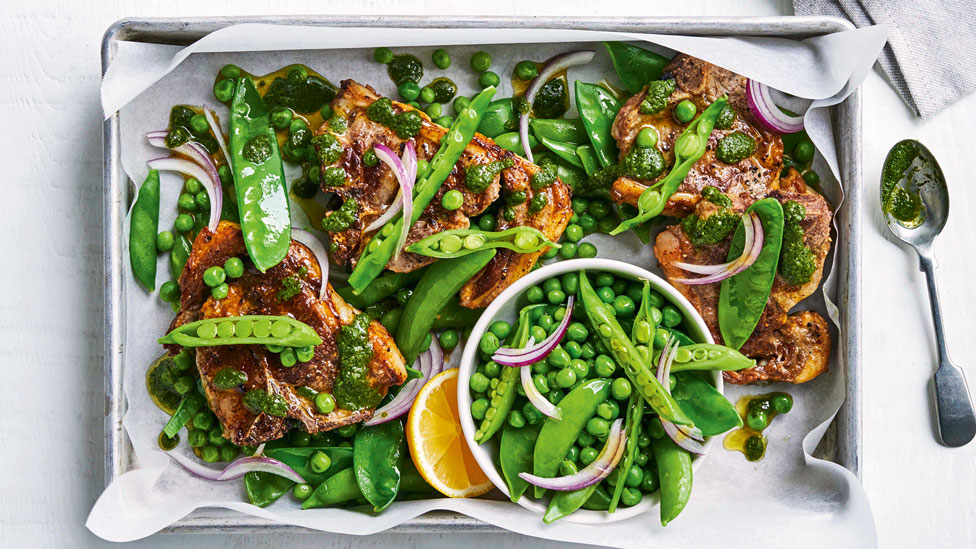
589 391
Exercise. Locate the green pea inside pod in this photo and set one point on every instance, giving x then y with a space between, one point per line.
247 330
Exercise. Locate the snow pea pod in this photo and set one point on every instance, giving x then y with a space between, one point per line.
559 129
512 142
566 503
557 436
243 330
259 178
588 157
674 471
642 332
599 499
191 404
742 298
688 148
503 395
707 356
380 288
566 151
635 408
438 285
499 118
376 454
712 413
635 66
263 489
602 317
178 256
441 165
462 242
339 488
598 109
143 227
454 316
515 456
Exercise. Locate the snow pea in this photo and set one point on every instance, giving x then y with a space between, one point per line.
178 256
503 395
559 129
742 298
652 200
440 283
499 118
598 109
461 242
376 454
588 157
298 459
259 177
515 456
635 66
454 316
143 228
712 413
642 332
263 489
682 338
380 288
602 317
557 436
566 151
568 502
339 488
440 167
512 142
707 356
674 471
599 500
635 408
247 330
192 403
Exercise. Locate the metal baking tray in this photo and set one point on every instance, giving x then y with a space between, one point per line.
842 442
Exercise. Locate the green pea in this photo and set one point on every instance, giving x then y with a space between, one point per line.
427 94
556 395
444 121
634 477
187 202
566 377
608 410
320 462
244 328
203 420
641 459
535 294
207 331
225 329
489 343
479 407
623 305
325 403
441 59
169 292
559 358
585 249
500 328
588 455
573 453
803 152
526 70
184 223
574 349
452 200
224 90
782 403
567 467
193 186
302 491
288 357
228 452
574 233
304 354
199 124
516 419
164 241
449 339
409 90
621 388
326 112
541 383
203 200
480 61
220 291
643 441
585 439
597 427
210 454
671 317
460 103
579 367
556 297
588 351
541 367
757 420
433 110
607 224
383 55
538 333
655 430
233 267
230 71
531 413
605 367
568 250
196 438
631 497
214 276
280 117
684 111
488 79
606 294
811 178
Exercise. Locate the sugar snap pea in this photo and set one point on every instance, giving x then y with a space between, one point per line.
339 488
694 138
599 499
462 242
515 456
263 489
178 256
376 455
503 395
635 66
557 436
441 166
566 151
674 472
642 332
567 502
143 228
708 356
380 288
602 317
712 413
259 178
438 285
299 458
454 316
635 413
742 298
243 330
598 109
192 403
559 129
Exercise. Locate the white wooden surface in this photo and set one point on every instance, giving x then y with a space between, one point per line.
51 273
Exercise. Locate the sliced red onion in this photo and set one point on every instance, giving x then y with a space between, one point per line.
430 363
540 402
313 243
688 438
767 113
410 163
218 133
186 167
555 64
752 246
406 173
507 356
596 471
237 468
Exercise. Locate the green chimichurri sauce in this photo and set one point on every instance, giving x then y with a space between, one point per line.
159 384
259 400
797 262
735 147
478 178
343 218
352 390
444 89
901 201
181 130
405 67
657 96
712 229
228 378
758 412
552 100
257 149
405 124
299 91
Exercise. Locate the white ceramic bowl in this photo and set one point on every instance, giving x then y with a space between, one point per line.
503 308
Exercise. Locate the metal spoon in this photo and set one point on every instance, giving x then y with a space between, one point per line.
957 421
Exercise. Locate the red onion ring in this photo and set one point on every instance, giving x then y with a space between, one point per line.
540 402
430 363
596 471
237 468
752 246
516 358
410 164
218 133
406 174
767 113
208 178
314 245
688 438
555 64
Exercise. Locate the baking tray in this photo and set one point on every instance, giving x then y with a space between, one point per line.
842 442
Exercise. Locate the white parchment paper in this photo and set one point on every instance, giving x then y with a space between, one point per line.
789 498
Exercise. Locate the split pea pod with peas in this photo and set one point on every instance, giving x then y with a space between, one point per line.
243 330
461 242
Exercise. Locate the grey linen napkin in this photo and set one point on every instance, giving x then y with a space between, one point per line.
930 57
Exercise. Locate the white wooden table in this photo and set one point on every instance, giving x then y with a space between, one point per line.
51 320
